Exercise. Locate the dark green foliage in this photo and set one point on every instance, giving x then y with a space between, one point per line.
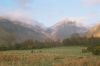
9 43
94 49
76 40
29 44
92 43
81 41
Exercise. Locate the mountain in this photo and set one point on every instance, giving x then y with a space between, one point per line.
24 29
65 29
94 31
21 30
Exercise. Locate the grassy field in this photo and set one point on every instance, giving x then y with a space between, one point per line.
61 56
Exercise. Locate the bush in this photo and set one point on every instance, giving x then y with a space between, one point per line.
95 50
84 50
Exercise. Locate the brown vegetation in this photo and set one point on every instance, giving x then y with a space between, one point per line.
38 59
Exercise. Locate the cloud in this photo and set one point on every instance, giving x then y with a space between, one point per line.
91 2
20 16
17 15
23 10
85 20
80 19
23 3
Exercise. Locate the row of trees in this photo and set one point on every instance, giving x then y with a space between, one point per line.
92 43
81 41
29 44
75 40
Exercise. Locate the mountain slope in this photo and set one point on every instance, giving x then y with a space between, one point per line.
95 31
21 30
65 29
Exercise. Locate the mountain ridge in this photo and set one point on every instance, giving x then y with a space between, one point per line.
65 28
24 30
21 31
95 31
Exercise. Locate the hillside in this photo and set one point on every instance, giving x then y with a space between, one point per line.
95 31
20 30
65 29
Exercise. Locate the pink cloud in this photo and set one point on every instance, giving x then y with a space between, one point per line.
23 4
91 2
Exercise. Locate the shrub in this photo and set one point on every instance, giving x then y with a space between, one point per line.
95 50
84 50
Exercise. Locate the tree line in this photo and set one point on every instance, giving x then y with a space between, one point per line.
74 40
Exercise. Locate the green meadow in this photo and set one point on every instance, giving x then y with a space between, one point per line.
60 56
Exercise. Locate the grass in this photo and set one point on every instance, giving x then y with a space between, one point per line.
61 56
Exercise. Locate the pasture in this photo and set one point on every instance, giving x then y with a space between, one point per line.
60 56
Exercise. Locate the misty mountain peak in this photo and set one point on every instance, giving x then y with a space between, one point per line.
67 22
65 29
21 30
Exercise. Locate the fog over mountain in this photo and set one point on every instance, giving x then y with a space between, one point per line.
24 29
65 29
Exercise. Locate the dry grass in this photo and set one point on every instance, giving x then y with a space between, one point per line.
79 61
47 60
43 58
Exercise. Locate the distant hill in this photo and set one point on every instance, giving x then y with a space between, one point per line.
21 30
65 29
26 29
94 31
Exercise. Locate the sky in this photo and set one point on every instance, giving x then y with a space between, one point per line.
49 12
